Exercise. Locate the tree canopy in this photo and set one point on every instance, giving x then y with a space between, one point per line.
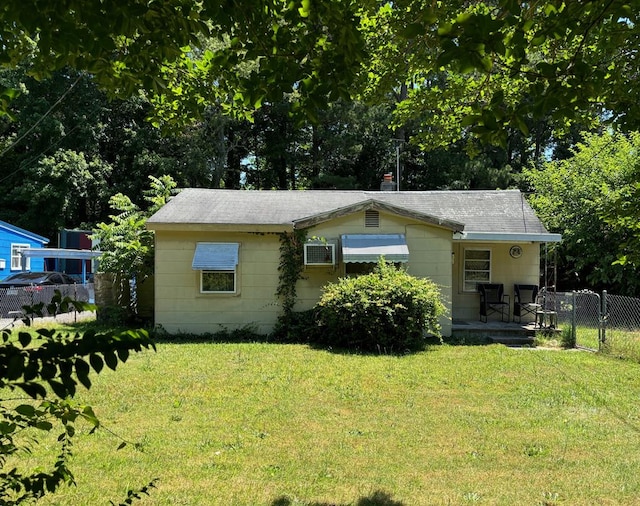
485 66
528 76
590 198
262 49
489 67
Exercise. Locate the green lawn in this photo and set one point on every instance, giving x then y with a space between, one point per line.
618 342
278 425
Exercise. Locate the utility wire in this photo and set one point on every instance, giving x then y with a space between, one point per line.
35 158
49 111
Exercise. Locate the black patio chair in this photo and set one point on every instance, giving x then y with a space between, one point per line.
525 301
493 300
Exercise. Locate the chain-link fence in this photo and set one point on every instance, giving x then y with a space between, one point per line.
13 300
609 323
620 333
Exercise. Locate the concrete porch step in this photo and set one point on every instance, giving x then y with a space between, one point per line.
508 333
513 341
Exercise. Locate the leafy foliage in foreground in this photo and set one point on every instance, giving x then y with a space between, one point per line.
47 365
387 310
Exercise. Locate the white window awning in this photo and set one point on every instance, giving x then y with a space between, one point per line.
365 248
215 256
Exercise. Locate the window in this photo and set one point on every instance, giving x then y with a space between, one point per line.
353 269
477 268
218 281
217 263
16 257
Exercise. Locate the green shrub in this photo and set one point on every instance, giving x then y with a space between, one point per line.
295 328
385 311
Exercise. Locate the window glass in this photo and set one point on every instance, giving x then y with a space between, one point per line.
218 282
359 268
16 258
477 268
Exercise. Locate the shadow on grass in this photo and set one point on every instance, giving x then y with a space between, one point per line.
378 498
249 334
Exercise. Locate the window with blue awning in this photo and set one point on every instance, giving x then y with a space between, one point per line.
368 248
218 256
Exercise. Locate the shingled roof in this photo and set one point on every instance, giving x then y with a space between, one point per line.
466 212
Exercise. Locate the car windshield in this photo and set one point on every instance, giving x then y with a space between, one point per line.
26 277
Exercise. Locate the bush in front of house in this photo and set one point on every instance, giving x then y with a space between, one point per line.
387 311
295 327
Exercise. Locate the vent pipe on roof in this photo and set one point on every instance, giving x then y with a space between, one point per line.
388 184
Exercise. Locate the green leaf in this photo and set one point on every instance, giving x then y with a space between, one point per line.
15 367
82 372
123 354
90 416
96 362
413 30
110 359
445 29
48 371
58 388
44 425
24 338
26 410
33 390
305 10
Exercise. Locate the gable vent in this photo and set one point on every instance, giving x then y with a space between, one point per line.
371 219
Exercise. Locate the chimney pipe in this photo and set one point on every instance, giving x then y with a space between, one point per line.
388 184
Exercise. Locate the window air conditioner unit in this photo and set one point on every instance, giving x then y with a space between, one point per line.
319 254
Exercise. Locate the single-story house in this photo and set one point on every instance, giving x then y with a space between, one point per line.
13 240
218 251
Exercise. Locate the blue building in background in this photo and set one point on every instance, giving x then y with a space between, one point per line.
13 240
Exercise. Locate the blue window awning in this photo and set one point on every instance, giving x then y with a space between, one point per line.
365 248
215 256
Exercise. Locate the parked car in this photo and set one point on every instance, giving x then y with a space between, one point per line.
29 288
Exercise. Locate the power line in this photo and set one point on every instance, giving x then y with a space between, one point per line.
49 111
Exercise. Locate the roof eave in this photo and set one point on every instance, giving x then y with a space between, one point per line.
24 233
219 227
372 204
521 237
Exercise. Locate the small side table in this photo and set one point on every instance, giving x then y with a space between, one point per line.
546 319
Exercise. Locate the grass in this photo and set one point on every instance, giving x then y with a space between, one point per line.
622 343
587 337
277 425
618 342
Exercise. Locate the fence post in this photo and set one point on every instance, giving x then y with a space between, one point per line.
574 332
603 320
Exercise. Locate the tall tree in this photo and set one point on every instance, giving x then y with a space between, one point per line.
590 198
